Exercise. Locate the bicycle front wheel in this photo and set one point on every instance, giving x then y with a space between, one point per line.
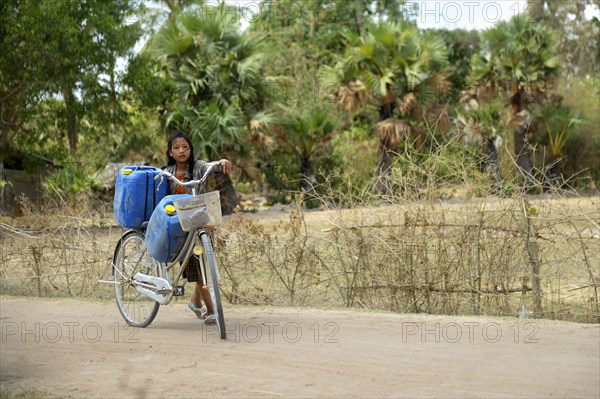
131 256
212 283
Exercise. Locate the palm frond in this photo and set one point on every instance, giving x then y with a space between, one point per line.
408 105
516 50
392 132
170 41
352 96
307 130
433 50
249 68
260 124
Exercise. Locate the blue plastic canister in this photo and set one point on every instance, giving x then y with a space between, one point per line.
136 195
164 235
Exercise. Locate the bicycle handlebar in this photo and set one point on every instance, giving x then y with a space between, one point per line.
199 182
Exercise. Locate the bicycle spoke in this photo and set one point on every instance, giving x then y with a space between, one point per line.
131 256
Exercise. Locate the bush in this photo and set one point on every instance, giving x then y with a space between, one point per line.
582 95
69 180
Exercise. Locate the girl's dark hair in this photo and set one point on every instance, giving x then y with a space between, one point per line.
176 135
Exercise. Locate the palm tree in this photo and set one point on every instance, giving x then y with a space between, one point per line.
558 124
305 131
402 70
479 121
519 55
481 128
218 84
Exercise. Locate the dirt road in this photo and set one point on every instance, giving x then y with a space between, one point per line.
83 349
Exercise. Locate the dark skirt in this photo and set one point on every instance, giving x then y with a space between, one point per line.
192 271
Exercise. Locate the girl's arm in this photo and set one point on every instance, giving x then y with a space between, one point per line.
200 168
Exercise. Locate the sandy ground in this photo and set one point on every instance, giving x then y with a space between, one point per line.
84 349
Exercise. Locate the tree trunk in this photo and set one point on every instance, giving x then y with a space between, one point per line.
522 153
554 172
383 174
229 198
12 105
359 20
70 114
307 178
491 162
390 138
113 95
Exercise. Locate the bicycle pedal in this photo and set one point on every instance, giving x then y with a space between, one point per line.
179 290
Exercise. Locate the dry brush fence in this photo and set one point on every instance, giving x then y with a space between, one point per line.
488 258
60 261
477 258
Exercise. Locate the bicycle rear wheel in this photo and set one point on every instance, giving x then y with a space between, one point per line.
131 256
212 283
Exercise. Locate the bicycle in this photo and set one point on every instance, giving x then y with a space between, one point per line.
143 283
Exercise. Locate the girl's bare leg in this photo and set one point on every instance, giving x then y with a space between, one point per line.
205 295
196 296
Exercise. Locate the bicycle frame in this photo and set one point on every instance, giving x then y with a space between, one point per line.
183 258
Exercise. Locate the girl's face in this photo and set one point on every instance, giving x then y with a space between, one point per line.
180 150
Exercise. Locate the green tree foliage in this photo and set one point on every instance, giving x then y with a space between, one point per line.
578 38
306 132
314 25
405 72
582 95
145 86
482 129
306 31
520 58
65 50
578 46
462 45
267 95
558 125
298 37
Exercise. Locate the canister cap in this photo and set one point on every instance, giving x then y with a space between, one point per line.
127 171
170 210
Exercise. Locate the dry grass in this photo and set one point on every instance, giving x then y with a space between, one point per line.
476 257
480 256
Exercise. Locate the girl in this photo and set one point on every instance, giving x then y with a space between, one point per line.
181 163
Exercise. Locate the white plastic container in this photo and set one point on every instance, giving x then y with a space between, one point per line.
203 210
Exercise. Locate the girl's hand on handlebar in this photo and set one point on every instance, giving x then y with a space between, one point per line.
225 166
